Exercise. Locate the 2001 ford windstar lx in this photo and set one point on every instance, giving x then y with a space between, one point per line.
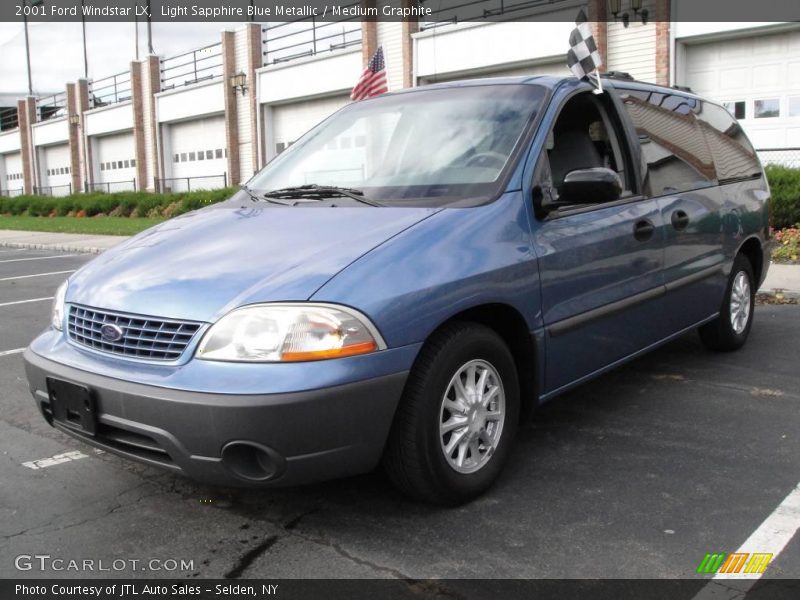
407 279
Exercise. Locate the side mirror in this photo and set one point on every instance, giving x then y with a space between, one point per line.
590 186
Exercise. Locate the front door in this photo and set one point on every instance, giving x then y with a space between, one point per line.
600 265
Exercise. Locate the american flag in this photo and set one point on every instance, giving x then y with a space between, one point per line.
373 79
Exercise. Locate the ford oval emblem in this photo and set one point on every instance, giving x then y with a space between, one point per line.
111 332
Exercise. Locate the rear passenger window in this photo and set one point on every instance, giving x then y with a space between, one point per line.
678 159
733 154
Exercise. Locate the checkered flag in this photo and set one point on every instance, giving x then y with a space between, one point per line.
583 56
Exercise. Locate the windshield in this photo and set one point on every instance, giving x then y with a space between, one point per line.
431 147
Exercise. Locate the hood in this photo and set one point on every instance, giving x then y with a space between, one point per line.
203 264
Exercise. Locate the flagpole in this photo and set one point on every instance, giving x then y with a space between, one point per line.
599 89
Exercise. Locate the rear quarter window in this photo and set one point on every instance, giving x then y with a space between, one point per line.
734 156
677 155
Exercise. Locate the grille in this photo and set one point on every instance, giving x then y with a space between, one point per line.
143 337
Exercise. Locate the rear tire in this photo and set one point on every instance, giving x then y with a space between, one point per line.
463 396
729 331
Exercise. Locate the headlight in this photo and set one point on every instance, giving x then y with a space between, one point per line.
57 314
289 333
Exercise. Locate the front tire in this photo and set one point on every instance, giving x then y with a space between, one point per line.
457 419
729 331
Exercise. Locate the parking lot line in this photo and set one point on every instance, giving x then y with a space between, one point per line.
25 301
36 275
14 351
771 537
10 260
58 459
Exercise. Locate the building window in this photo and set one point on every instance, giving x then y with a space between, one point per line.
279 147
133 162
209 154
794 106
736 108
201 155
218 152
127 164
183 156
764 109
102 166
191 155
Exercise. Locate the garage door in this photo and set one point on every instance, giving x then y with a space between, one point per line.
198 153
54 171
116 163
554 68
12 174
290 121
758 79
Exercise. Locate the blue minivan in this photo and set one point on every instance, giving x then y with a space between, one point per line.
408 280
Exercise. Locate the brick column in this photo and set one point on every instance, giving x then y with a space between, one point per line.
26 113
369 35
662 41
85 152
254 60
151 85
598 21
231 105
137 104
410 26
74 140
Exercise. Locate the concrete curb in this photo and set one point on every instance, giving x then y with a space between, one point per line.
55 247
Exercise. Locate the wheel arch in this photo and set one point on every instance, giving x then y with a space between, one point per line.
753 250
510 325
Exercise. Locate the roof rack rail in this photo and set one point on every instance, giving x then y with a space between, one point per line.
618 75
683 88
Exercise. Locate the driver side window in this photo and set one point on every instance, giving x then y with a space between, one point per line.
583 137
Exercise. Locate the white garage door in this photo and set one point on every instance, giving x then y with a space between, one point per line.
116 163
554 68
198 154
12 174
290 121
758 79
54 170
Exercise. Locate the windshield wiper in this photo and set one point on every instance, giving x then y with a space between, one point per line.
312 190
256 198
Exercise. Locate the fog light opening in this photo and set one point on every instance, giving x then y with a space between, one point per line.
251 461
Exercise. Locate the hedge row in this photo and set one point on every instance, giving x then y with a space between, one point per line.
118 204
784 184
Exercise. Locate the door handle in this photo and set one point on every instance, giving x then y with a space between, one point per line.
680 220
643 230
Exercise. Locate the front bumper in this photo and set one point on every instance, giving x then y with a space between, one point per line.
309 436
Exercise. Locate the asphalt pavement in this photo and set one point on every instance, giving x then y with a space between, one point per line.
638 474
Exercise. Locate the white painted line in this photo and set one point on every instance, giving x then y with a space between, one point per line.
14 351
11 251
771 537
9 260
58 459
35 275
25 301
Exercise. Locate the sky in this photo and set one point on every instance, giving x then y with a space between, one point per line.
57 50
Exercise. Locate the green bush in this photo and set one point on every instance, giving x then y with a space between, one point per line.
137 204
784 184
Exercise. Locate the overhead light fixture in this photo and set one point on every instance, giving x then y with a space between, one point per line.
239 82
643 13
616 7
74 119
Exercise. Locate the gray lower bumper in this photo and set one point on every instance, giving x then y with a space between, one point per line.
312 435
